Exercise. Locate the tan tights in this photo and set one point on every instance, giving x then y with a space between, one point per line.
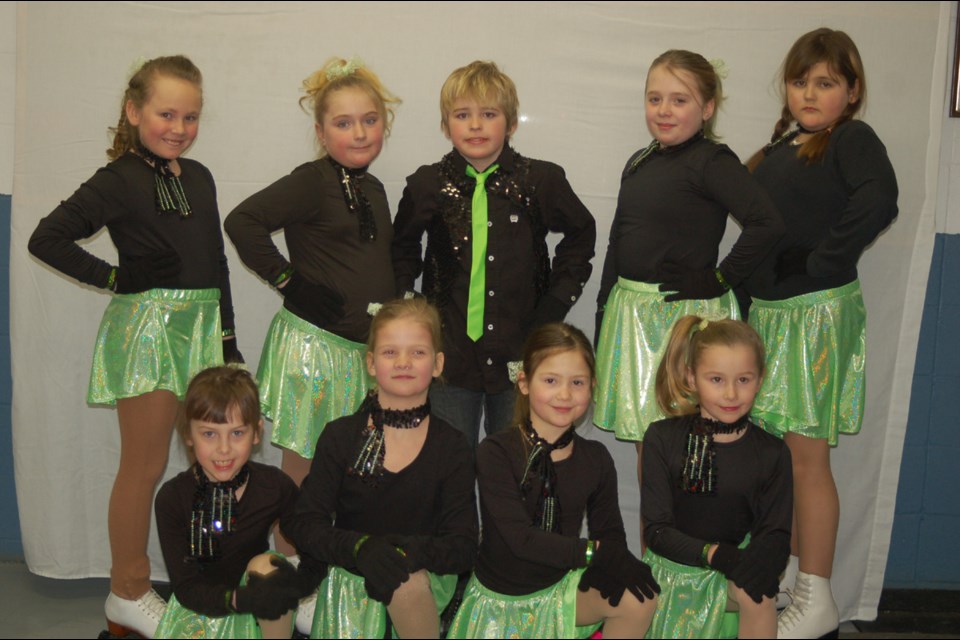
297 467
816 505
146 423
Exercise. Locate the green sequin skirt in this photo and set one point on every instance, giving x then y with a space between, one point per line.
548 613
308 377
692 601
816 363
633 337
344 610
158 339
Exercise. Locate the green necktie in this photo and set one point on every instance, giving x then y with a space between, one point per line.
478 269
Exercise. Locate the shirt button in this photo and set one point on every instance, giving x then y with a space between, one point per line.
489 327
573 298
490 258
489 360
491 294
489 223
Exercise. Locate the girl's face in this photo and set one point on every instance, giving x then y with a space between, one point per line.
223 449
404 362
675 108
169 120
819 98
726 380
352 128
559 390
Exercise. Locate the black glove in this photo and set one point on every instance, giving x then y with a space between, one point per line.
320 305
689 285
613 557
759 571
159 269
272 595
792 262
412 548
611 589
549 309
231 353
384 568
726 558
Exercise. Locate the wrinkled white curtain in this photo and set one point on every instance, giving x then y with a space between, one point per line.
580 69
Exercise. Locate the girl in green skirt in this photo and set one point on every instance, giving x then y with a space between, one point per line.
214 521
536 576
717 490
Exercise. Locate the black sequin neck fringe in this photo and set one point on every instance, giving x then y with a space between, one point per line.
214 513
356 201
540 467
368 463
700 465
168 191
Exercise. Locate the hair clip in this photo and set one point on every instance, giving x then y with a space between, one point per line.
720 68
344 69
703 324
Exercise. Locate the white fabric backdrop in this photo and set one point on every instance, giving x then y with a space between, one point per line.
580 69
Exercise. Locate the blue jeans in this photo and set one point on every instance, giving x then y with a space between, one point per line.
463 408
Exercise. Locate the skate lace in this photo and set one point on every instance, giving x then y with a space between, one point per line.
152 605
795 611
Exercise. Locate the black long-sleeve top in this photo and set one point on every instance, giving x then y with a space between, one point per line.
516 556
323 238
673 208
202 586
834 208
432 499
754 493
526 200
120 196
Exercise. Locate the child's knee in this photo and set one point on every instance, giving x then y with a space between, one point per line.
631 606
416 586
261 564
744 603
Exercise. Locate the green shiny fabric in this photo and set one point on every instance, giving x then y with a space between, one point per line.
158 339
633 337
548 613
308 377
344 610
692 601
816 363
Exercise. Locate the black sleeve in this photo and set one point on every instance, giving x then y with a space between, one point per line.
90 208
762 226
564 213
656 502
310 524
227 320
417 207
454 547
196 590
868 178
604 521
251 224
503 501
774 508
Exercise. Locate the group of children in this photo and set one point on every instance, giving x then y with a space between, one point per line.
385 516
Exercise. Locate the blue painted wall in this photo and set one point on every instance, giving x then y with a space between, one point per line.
9 520
926 524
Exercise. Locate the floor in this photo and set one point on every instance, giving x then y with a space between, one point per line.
35 607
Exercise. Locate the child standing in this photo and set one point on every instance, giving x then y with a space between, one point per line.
172 315
389 502
486 211
336 223
661 261
834 185
214 520
717 490
537 481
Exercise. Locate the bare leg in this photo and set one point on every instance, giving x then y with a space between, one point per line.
816 504
630 619
297 467
639 445
146 424
281 627
756 620
413 609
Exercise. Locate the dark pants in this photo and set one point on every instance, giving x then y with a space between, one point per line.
463 408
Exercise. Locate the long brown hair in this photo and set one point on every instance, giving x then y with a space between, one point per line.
690 336
840 53
125 135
